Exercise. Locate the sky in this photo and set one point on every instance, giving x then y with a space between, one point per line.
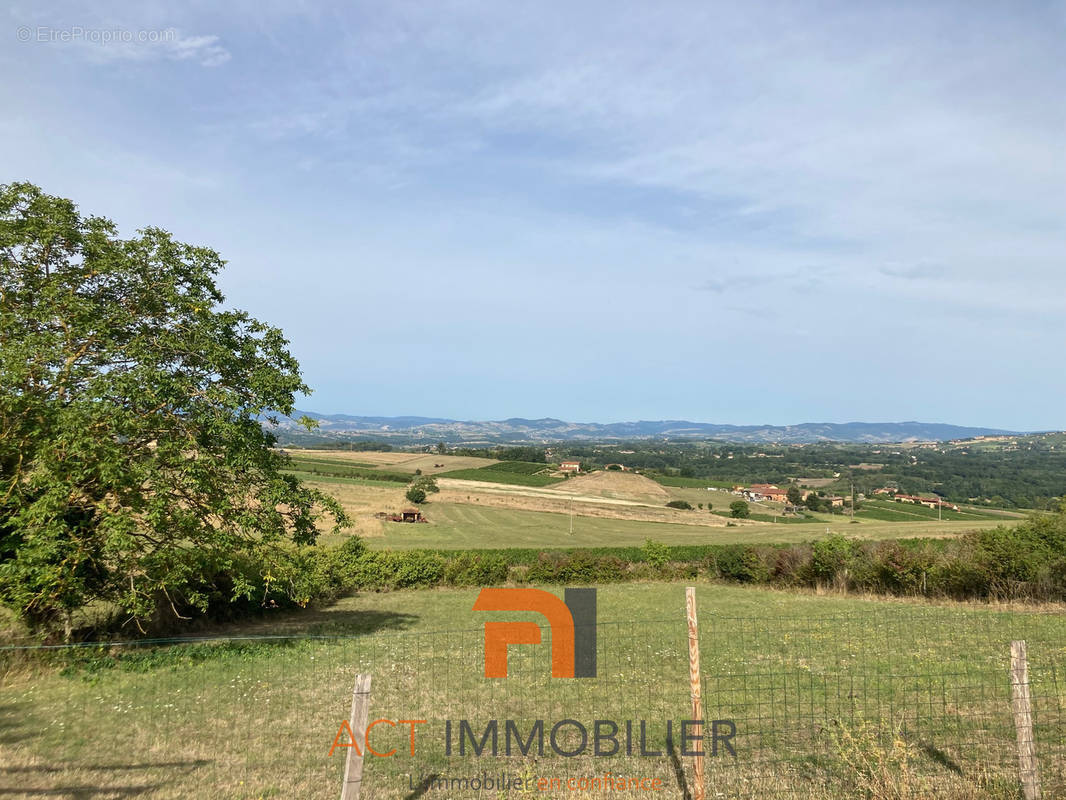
600 211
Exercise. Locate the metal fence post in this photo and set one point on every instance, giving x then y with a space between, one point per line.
353 765
1021 708
695 689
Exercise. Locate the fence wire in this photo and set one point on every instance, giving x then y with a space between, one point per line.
899 702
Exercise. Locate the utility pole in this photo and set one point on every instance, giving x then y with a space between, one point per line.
571 516
853 499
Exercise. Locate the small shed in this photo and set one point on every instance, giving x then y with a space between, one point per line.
408 515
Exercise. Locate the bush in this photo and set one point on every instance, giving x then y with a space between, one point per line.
416 494
427 483
475 569
413 569
739 563
739 509
682 504
896 569
832 557
656 553
577 567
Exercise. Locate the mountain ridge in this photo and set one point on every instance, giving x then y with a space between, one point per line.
549 429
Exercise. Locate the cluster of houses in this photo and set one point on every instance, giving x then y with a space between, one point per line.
928 502
573 466
769 491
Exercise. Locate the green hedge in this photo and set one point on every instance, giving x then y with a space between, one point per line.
1024 562
1027 562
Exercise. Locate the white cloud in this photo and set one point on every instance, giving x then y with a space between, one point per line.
116 43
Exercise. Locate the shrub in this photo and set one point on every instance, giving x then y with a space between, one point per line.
656 553
427 483
897 569
413 569
475 569
577 567
739 509
791 565
739 563
832 557
684 505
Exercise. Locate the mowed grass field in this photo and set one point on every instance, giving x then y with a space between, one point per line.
471 515
464 526
253 718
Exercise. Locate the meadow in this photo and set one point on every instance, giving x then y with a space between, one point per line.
604 510
814 684
463 526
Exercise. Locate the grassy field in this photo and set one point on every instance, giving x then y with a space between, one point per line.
908 512
690 483
812 683
494 474
486 515
465 526
428 463
312 466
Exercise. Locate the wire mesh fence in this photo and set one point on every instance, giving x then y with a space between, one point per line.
901 702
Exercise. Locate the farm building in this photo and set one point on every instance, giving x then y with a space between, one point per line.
570 465
408 515
928 502
767 491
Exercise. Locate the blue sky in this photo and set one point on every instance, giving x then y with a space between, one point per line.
742 213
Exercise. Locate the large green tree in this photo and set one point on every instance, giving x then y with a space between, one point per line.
133 466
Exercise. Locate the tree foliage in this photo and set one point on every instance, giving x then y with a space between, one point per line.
427 483
739 509
133 466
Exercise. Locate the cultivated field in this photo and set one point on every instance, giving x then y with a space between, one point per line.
605 508
428 463
819 689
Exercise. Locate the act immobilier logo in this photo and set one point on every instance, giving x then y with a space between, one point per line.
572 622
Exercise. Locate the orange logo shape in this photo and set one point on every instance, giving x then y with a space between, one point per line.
572 624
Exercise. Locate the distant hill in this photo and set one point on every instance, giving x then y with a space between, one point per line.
517 430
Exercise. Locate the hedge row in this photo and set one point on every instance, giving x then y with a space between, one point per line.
1025 562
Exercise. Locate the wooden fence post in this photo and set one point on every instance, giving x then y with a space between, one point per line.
695 689
353 766
1021 708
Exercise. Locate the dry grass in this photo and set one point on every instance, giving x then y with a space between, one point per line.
402 462
582 506
616 486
